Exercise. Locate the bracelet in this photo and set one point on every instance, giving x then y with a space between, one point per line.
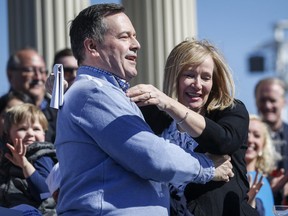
182 120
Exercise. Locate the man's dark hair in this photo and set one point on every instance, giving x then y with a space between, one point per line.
62 53
89 24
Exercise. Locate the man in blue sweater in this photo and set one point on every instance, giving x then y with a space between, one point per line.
110 160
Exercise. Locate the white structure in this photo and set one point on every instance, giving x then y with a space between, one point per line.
160 25
42 24
281 45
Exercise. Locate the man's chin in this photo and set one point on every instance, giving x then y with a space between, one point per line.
270 119
131 76
36 93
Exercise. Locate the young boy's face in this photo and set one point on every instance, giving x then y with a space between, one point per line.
27 131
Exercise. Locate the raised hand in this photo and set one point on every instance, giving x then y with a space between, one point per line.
255 186
278 179
18 158
18 151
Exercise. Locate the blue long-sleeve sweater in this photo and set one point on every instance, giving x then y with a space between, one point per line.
111 161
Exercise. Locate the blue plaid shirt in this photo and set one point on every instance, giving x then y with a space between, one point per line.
123 84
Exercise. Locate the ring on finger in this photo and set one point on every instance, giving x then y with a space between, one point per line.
150 96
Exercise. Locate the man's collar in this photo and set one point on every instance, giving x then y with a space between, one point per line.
123 84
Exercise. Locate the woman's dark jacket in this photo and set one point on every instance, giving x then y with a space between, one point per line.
225 133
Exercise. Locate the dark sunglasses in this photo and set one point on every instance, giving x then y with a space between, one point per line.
69 69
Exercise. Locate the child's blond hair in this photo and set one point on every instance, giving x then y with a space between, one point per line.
23 112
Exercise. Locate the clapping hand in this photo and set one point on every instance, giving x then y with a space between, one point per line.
255 186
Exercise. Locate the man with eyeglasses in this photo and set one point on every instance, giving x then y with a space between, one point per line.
27 73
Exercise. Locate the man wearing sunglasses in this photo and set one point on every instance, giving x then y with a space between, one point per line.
70 66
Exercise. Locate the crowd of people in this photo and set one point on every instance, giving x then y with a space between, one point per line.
116 149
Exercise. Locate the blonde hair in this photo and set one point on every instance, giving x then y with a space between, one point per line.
23 112
266 162
192 53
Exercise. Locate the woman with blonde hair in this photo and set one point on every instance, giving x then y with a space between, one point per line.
207 118
261 158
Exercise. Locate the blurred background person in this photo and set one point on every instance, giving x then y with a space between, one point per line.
28 160
270 102
70 66
27 73
262 157
9 100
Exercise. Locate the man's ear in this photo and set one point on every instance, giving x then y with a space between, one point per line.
90 46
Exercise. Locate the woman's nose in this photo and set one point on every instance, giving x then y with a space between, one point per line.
250 138
197 83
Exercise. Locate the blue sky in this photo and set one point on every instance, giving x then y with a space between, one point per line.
4 47
237 28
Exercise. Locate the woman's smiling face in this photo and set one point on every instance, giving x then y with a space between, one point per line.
195 85
256 139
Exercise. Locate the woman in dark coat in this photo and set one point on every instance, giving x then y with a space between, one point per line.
205 117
